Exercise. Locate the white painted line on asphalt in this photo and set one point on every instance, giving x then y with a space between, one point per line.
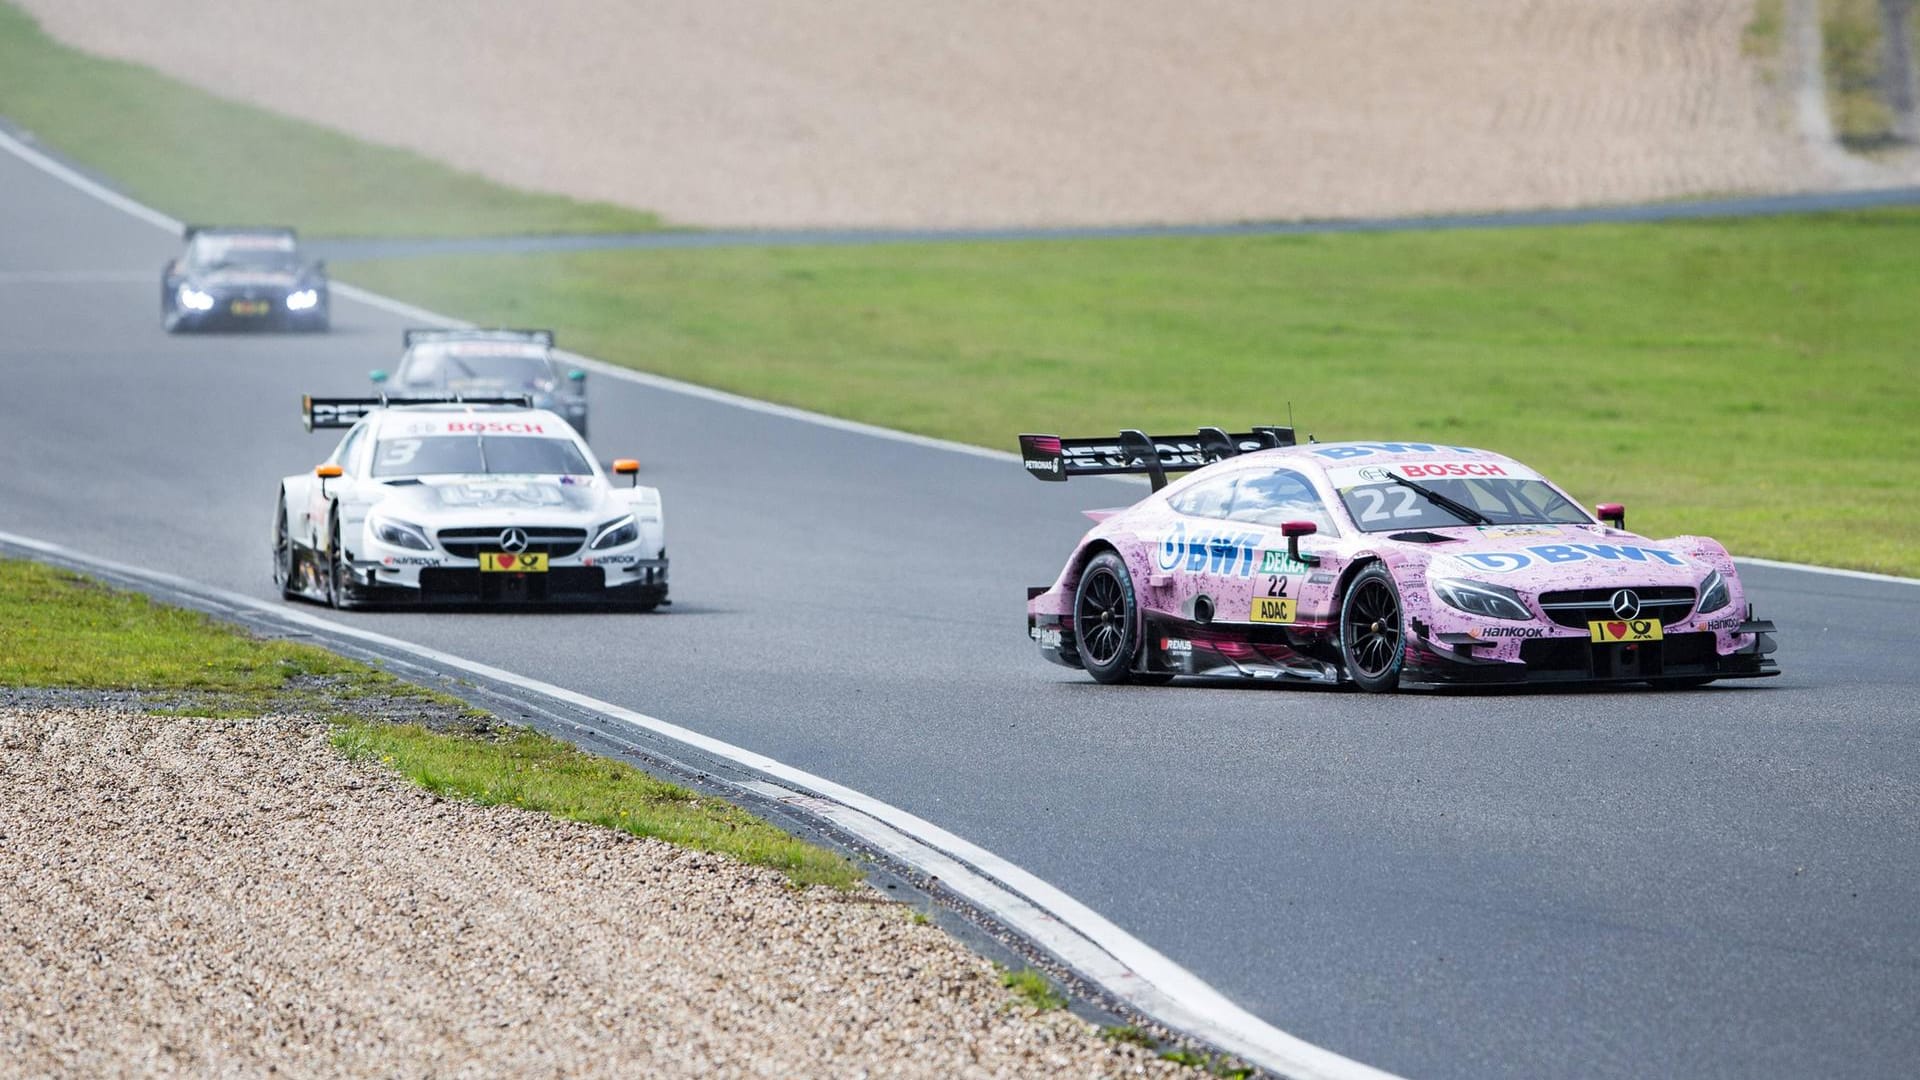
1117 962
105 194
405 310
1130 970
1830 571
675 386
75 277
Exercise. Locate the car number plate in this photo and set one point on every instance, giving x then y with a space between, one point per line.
1613 630
1272 609
248 307
504 562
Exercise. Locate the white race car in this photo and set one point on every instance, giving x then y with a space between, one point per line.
468 501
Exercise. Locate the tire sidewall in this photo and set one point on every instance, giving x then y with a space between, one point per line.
1390 679
1121 668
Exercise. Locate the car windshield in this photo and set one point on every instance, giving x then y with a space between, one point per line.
249 252
495 455
1383 507
440 368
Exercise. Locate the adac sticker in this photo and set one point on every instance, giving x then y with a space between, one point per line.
1506 562
1272 609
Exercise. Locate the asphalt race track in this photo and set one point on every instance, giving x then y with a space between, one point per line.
1712 883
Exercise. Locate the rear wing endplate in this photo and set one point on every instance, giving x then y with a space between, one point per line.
1050 457
410 338
343 412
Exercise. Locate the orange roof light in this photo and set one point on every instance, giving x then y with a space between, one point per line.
327 472
625 465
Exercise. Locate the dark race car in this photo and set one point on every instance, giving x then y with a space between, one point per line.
241 278
1378 565
469 363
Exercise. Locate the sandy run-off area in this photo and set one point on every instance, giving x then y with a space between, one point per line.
1011 112
197 897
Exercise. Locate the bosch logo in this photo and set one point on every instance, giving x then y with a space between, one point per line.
1625 604
514 541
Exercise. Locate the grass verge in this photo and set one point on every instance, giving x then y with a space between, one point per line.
203 158
64 630
1748 379
1033 988
1745 379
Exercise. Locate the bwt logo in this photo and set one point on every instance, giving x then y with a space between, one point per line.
1207 552
1360 450
1505 562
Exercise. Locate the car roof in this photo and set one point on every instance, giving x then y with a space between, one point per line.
1330 454
456 418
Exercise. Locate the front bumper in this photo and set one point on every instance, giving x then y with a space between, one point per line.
614 578
1441 660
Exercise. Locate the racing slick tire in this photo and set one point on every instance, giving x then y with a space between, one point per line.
1106 619
1373 638
340 592
284 567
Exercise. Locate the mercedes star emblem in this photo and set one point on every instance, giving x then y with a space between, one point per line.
1625 604
515 542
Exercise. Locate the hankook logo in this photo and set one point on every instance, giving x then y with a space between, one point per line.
515 542
1625 604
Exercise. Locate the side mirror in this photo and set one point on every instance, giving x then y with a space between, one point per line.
576 376
1613 513
327 472
377 376
1293 531
627 466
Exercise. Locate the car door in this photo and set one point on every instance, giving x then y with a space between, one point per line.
322 494
1283 590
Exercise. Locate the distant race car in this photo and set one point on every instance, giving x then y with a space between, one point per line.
243 277
477 501
468 362
1382 565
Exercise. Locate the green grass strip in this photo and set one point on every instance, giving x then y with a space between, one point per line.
206 159
525 768
1748 379
59 629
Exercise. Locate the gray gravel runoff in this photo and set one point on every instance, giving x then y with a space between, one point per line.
221 897
1715 883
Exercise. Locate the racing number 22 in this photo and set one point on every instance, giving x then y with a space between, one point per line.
1276 586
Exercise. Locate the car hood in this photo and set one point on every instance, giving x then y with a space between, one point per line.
444 502
247 279
1540 557
502 387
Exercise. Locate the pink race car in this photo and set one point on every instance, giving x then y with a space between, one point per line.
1387 565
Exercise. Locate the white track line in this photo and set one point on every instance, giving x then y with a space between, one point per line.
1119 963
38 160
1205 1012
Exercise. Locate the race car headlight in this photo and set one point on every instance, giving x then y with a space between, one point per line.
1480 598
194 300
614 533
303 300
1713 593
399 534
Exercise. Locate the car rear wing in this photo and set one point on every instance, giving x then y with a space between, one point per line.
191 231
344 412
1050 457
419 335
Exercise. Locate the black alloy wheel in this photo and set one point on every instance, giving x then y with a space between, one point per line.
283 566
1106 620
1372 631
339 574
